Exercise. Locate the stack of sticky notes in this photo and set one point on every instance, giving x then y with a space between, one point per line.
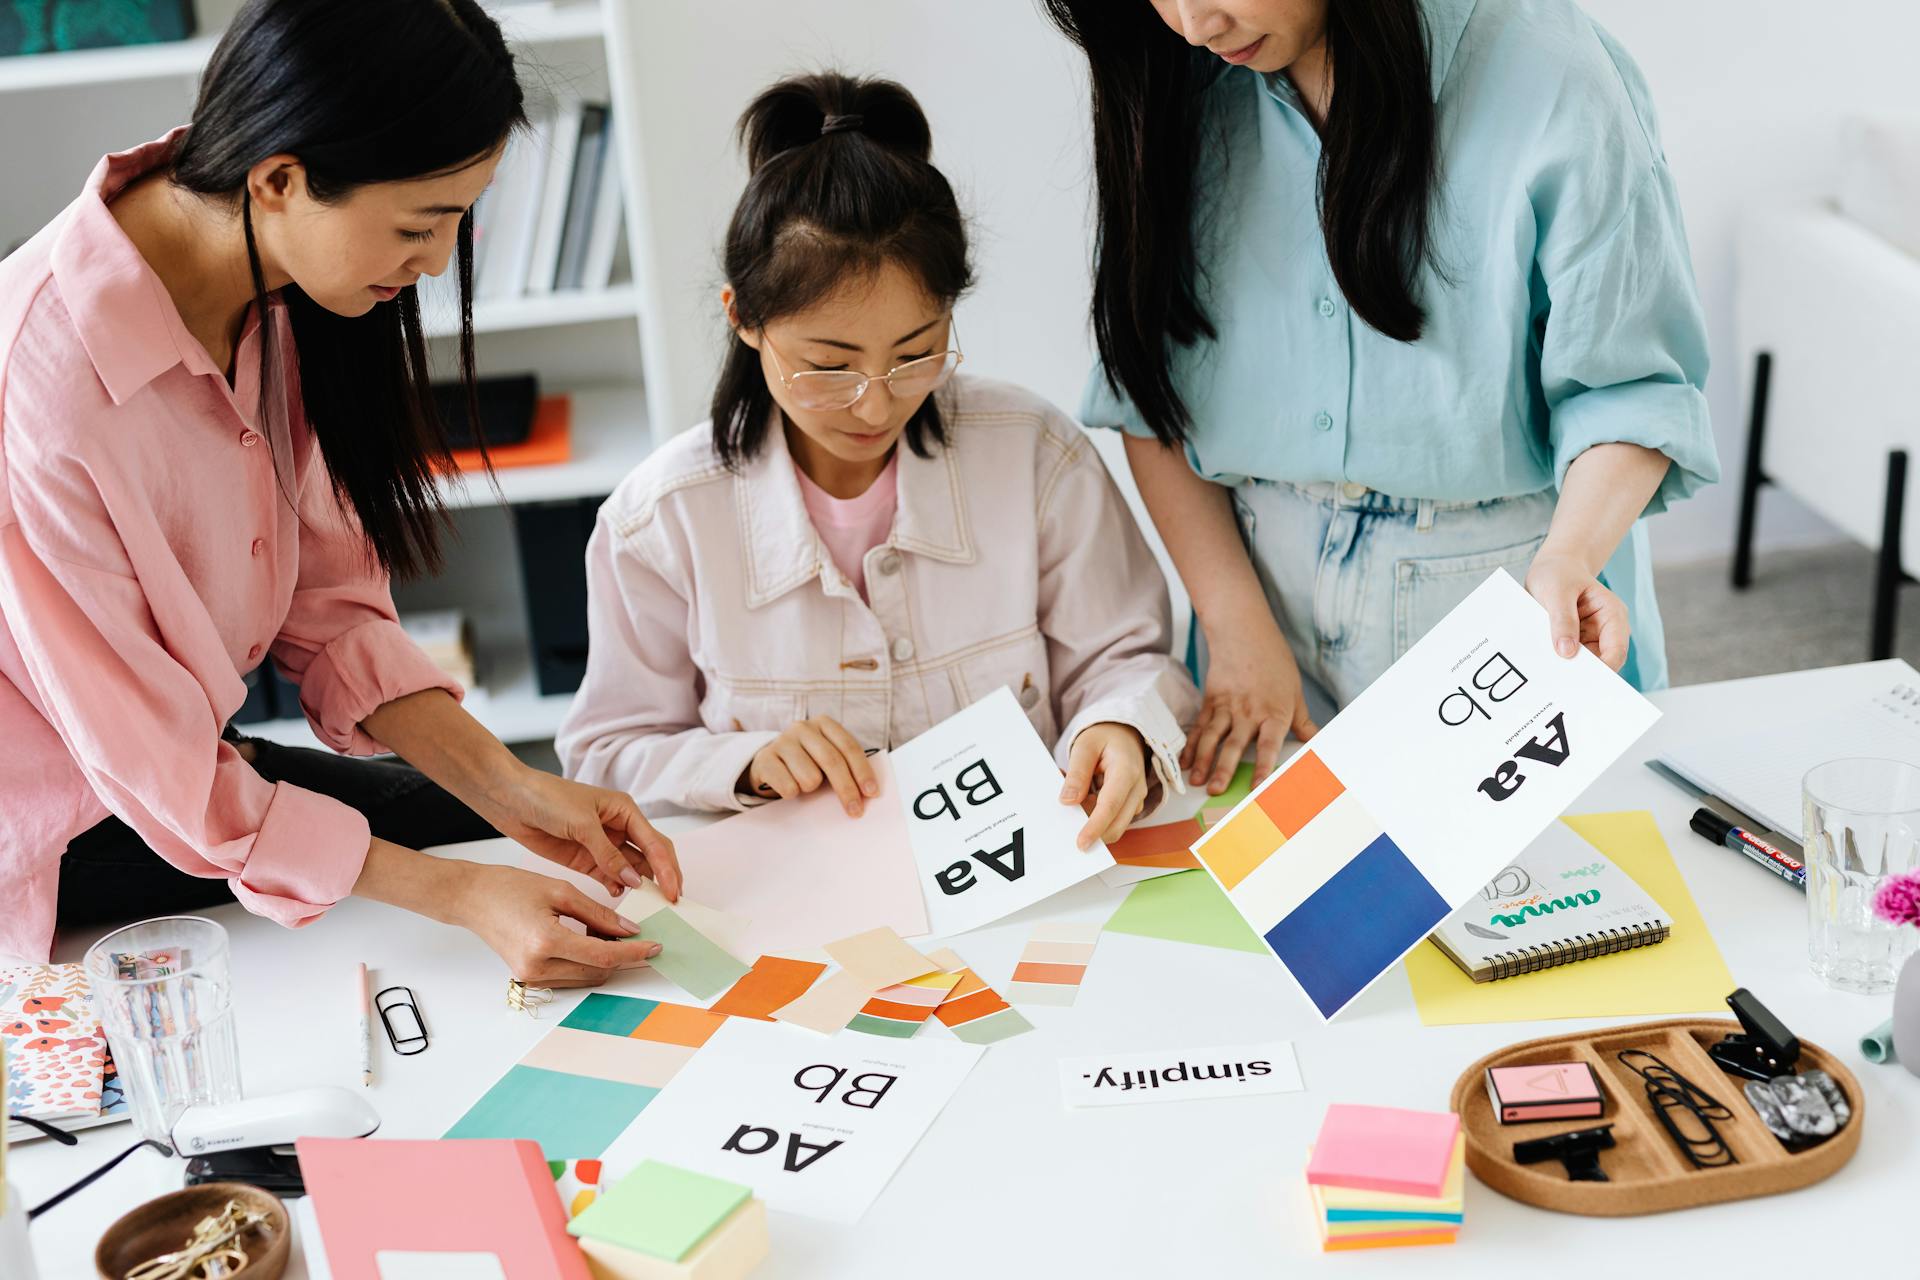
662 1222
1383 1177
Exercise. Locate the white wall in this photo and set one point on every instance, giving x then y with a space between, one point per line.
1749 93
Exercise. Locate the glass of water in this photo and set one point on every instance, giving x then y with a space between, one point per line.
1862 824
166 1001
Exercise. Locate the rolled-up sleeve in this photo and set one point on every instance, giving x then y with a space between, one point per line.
1106 618
635 724
1623 340
342 642
110 673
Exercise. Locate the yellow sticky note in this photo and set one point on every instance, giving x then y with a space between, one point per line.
1684 974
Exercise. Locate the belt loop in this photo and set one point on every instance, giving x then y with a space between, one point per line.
1423 516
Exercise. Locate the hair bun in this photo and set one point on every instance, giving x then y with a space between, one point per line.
804 109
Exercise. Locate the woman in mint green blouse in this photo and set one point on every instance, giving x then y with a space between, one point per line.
1388 294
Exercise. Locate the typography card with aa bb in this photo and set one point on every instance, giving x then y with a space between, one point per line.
1416 794
984 818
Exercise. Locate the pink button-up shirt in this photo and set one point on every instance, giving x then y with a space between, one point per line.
149 556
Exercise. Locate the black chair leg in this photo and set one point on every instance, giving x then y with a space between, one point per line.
1752 477
1888 577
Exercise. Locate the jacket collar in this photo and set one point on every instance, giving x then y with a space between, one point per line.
1445 22
782 548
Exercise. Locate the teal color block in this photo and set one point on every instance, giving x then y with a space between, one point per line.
571 1117
609 1015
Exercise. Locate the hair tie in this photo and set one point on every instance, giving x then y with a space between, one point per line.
835 124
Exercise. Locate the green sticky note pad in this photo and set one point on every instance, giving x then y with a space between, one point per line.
1185 907
660 1210
688 958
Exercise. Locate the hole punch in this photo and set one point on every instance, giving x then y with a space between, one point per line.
1764 1049
402 1008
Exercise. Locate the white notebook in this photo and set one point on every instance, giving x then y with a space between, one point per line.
1560 901
1760 773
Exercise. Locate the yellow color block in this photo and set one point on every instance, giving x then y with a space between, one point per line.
733 1249
1237 847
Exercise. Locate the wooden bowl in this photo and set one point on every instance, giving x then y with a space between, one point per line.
163 1225
1646 1171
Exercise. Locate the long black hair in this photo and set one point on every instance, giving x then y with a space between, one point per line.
841 182
360 91
1378 172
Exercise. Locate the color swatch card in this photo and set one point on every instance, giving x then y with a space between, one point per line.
1117 1079
1416 794
984 819
900 1010
1053 963
972 1010
814 1127
773 982
1165 847
803 873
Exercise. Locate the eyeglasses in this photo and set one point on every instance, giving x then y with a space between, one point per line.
842 388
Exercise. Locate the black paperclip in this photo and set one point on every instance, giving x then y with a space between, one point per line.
406 1045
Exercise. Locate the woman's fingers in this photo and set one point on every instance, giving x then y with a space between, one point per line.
806 774
1233 747
1082 758
855 755
832 763
1136 800
625 824
775 776
1215 720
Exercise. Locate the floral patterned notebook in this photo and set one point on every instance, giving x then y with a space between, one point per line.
58 1067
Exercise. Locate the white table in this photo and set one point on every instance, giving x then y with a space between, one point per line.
1009 1182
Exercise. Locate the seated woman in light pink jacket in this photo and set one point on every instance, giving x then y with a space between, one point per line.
861 544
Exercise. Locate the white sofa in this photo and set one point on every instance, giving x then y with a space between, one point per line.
1827 315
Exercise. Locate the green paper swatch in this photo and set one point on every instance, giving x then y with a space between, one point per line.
660 1210
1185 907
688 958
571 1117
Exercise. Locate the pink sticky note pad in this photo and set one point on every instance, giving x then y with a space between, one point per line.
1384 1149
1544 1091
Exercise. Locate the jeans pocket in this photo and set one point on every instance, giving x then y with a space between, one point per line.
1428 588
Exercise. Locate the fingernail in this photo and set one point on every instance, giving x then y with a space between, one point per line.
1067 796
631 878
653 951
627 924
1565 646
854 810
870 789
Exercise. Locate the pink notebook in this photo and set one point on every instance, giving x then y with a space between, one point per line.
1384 1149
453 1195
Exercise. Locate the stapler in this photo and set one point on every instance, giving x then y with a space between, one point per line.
251 1140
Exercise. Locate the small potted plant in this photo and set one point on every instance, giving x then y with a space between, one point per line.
1898 902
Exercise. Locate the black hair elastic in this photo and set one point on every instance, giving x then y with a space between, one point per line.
834 124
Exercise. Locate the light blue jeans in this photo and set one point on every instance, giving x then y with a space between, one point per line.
1355 576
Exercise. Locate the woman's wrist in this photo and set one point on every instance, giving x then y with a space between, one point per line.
414 881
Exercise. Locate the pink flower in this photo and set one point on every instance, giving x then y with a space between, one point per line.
1898 899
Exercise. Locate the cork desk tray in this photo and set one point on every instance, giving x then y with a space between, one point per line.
1646 1171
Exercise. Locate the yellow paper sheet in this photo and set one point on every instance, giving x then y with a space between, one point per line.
1684 974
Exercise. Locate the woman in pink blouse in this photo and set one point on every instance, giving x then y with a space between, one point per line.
216 444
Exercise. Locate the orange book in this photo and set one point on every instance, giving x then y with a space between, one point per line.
550 441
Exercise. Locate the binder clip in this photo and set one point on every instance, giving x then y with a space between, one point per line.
1579 1150
1764 1049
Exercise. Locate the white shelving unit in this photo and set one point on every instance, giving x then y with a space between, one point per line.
601 347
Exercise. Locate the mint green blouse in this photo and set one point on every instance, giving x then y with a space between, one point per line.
1561 307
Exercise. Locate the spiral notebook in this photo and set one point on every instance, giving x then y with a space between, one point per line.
1559 902
1760 773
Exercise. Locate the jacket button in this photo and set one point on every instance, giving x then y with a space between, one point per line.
253 654
902 649
1030 697
259 545
889 563
249 438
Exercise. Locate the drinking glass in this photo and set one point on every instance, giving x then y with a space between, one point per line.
1861 824
166 1001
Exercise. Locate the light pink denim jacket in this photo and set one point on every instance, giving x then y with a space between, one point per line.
717 618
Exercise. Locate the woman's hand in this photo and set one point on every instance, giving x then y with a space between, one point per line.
1252 695
522 915
1581 611
586 829
811 754
1106 774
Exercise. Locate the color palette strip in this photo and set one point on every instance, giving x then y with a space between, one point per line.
973 1011
689 958
586 1080
1053 963
900 1010
773 981
1169 846
1314 873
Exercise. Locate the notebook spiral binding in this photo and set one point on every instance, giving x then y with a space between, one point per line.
1585 946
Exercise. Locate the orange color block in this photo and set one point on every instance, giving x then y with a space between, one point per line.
977 1004
774 981
878 1008
1167 845
1236 848
1343 1243
549 441
679 1024
1068 975
1295 798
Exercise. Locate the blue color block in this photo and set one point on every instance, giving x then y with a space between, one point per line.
1390 1215
609 1015
1356 925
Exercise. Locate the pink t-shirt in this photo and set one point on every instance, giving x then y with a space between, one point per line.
851 527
